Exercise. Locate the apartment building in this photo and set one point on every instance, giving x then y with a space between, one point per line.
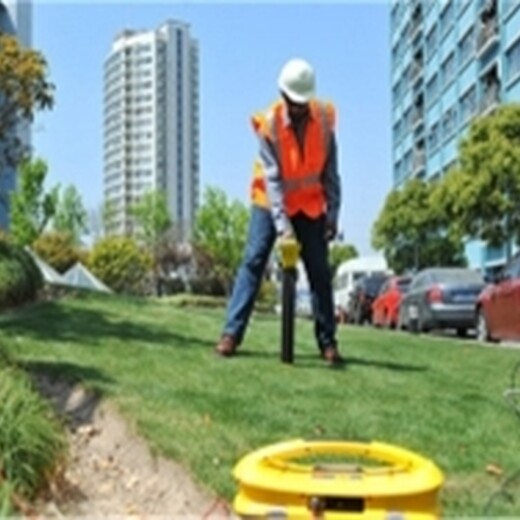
15 19
452 60
151 124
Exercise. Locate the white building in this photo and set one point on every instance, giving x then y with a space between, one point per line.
151 123
15 19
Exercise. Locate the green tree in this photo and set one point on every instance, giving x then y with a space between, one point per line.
339 253
153 222
481 196
25 89
220 231
70 216
108 217
152 219
412 233
31 207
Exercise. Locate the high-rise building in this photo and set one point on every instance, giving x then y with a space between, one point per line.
151 124
15 19
452 60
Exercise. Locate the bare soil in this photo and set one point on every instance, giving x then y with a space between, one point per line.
110 471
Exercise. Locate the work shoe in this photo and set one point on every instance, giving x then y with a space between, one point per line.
332 356
227 346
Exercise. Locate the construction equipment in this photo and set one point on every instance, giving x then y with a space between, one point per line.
396 484
289 250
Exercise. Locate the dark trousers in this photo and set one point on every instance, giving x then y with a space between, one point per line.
310 233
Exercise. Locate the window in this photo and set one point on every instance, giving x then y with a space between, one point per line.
449 121
513 61
468 104
466 47
448 70
432 89
431 42
446 19
433 137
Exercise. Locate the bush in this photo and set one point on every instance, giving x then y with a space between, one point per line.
57 249
121 265
31 440
267 297
20 278
208 285
194 300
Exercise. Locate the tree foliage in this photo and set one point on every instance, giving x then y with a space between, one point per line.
58 249
121 264
70 217
481 196
412 232
152 219
25 89
220 231
340 253
31 207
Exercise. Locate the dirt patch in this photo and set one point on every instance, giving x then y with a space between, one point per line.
111 472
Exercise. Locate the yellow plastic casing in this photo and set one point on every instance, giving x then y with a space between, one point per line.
404 486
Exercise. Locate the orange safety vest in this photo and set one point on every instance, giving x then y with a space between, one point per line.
300 171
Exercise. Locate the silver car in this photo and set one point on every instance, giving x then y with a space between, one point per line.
441 298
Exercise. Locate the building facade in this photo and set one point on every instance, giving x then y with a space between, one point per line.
15 19
151 124
452 60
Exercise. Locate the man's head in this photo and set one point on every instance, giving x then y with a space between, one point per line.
297 84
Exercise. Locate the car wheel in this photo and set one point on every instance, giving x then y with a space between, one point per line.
482 327
462 333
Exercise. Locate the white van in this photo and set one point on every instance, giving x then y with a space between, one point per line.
350 272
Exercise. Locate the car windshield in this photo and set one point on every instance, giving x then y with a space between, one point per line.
465 276
373 284
404 284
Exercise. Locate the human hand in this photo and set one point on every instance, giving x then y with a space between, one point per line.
331 230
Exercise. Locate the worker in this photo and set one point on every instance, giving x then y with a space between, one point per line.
296 193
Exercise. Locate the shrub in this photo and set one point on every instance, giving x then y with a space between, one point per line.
121 265
195 300
267 296
31 441
20 278
57 249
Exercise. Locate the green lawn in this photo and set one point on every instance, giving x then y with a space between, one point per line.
440 398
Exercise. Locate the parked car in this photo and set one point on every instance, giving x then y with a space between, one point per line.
498 306
385 309
348 274
441 298
364 293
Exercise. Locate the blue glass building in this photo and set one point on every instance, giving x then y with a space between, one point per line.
15 18
452 60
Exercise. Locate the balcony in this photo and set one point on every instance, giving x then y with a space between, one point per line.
417 116
490 98
487 37
416 71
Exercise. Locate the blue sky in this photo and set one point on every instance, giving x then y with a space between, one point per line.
242 48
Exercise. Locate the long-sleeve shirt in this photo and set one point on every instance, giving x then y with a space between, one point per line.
330 179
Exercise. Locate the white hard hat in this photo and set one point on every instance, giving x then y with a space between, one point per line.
297 81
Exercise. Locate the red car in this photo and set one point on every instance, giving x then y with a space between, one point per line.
498 306
385 309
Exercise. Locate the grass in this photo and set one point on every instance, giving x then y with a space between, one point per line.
440 398
31 440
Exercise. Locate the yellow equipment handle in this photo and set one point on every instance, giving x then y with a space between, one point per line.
289 250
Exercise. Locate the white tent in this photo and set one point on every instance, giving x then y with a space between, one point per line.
49 274
79 276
